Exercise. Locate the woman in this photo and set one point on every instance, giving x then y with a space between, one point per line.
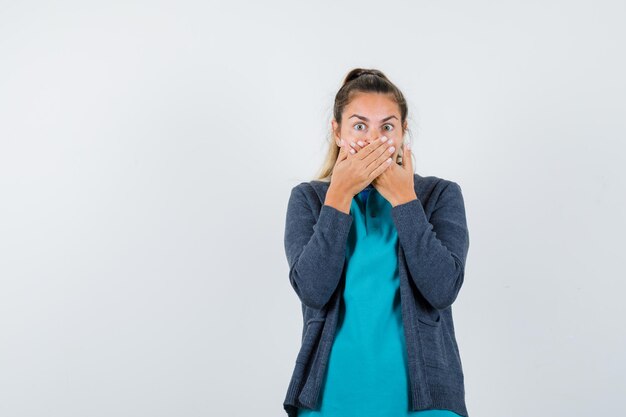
376 255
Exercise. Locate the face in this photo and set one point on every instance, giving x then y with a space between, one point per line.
369 116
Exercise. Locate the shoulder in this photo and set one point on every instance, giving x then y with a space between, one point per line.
309 194
431 183
433 190
306 188
313 191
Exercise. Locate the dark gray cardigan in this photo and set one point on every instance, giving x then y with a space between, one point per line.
433 244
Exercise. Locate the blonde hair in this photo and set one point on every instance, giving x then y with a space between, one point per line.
360 80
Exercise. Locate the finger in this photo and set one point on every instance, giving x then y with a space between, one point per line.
360 144
375 147
351 147
407 160
381 168
355 146
379 155
343 154
348 149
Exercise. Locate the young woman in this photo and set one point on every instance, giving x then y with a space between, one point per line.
376 254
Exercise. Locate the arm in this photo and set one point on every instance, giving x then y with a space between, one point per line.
315 248
435 251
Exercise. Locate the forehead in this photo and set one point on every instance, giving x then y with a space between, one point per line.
374 105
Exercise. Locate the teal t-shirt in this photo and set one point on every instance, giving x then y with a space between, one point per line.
367 367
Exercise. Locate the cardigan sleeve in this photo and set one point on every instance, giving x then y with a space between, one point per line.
315 248
435 249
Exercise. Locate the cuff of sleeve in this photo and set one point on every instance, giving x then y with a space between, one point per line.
409 214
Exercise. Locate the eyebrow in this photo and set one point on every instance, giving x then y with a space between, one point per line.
367 120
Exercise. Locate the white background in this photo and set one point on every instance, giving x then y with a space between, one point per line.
147 152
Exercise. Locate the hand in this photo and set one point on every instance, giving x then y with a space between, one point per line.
352 172
396 184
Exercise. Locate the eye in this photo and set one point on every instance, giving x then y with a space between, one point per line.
358 125
389 124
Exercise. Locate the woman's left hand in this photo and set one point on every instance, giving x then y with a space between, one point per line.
396 182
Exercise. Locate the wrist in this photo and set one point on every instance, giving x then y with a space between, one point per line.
338 199
404 198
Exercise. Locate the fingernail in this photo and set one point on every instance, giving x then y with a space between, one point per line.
383 139
360 143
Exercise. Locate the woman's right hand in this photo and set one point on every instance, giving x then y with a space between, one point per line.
353 172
